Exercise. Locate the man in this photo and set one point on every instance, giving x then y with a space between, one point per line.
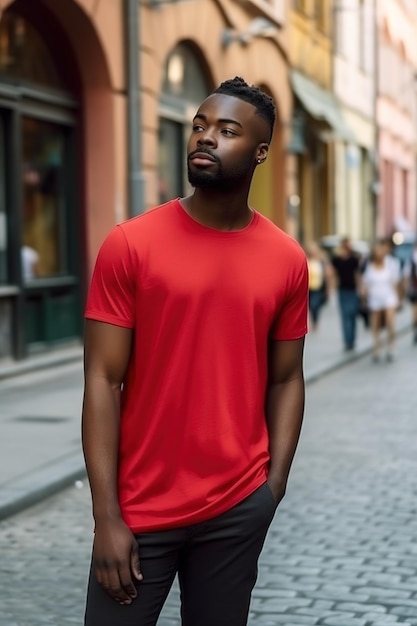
194 387
346 266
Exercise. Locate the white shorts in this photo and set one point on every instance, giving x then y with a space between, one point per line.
381 301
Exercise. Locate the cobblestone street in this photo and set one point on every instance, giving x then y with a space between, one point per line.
342 550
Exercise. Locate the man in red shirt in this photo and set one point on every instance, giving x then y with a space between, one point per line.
194 390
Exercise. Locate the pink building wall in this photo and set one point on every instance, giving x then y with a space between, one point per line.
396 114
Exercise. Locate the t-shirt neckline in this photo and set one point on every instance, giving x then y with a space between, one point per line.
215 232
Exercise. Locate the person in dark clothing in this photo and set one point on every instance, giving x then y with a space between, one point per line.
346 265
411 279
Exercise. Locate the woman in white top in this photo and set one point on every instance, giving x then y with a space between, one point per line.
381 280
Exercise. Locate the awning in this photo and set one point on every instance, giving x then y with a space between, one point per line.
322 105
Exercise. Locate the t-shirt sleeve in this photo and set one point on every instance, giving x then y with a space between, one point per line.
111 297
291 322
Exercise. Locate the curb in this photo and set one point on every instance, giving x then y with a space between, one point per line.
40 484
41 362
347 358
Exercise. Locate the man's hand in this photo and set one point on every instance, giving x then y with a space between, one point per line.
116 560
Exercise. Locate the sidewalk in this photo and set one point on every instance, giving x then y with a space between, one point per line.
324 348
40 411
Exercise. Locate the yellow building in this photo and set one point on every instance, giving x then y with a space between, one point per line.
317 120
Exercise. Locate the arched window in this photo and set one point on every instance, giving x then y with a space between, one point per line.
23 53
184 88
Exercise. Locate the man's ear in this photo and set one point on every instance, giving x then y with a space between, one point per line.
262 152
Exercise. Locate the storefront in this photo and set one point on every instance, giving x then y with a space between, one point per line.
39 260
58 170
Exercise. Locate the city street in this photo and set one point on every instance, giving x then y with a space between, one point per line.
342 550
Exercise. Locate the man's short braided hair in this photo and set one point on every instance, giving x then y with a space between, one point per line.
239 88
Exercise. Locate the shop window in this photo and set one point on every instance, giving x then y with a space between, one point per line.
3 212
23 54
183 89
43 219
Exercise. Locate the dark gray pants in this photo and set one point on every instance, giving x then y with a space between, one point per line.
216 562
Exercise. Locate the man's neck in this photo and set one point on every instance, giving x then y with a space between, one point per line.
218 210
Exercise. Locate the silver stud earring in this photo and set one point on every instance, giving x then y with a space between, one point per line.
259 161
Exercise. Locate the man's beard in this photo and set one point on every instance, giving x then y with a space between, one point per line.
207 180
219 180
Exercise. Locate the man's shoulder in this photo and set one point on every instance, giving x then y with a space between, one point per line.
281 238
151 217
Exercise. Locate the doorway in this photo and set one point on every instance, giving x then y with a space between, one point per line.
39 215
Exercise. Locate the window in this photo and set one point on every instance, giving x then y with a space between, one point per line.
184 87
3 202
43 200
23 54
170 170
362 34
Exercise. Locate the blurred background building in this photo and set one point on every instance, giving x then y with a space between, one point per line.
96 100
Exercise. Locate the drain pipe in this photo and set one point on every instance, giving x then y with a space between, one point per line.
136 181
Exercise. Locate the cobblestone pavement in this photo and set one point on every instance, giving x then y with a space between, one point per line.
342 550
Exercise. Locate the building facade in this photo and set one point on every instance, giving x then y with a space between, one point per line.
396 115
96 98
317 121
356 187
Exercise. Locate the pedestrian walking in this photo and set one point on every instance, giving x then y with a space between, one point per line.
194 390
346 268
319 282
411 288
381 279
398 267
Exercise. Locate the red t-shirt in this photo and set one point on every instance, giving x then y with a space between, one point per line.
203 304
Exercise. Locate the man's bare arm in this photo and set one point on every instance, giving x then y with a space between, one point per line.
284 409
106 357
